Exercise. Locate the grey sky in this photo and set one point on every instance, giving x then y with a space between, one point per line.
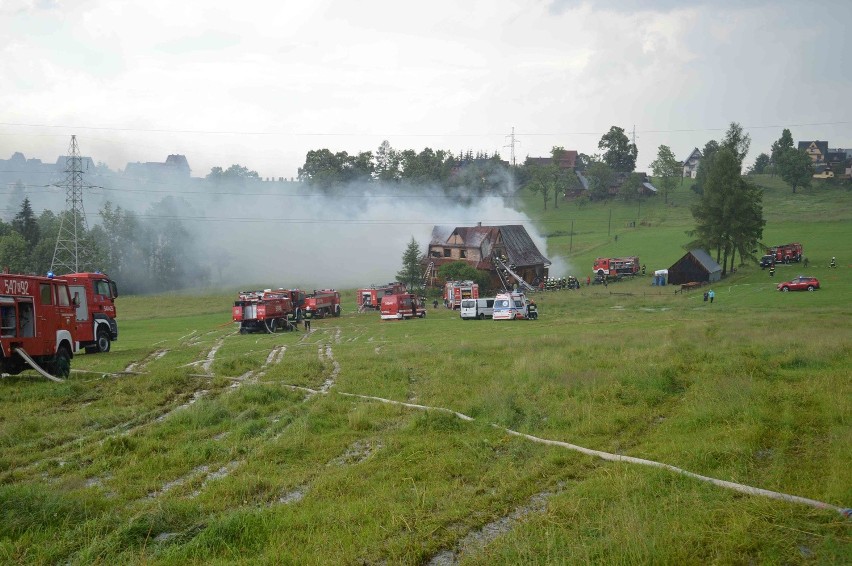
260 83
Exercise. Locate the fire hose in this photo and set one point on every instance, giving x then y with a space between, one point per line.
21 352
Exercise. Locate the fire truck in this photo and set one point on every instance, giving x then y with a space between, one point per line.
94 295
264 311
402 306
322 303
786 253
36 324
455 291
616 266
371 297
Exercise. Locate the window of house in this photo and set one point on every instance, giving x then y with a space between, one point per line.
463 254
447 252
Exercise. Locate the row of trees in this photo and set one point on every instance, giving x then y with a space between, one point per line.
145 254
481 172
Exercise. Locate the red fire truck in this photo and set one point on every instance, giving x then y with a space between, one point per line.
399 307
616 266
371 297
455 291
265 311
786 253
94 295
37 324
322 303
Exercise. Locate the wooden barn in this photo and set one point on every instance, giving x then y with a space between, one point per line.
478 245
696 266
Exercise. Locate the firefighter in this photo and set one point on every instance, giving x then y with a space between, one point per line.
833 263
772 270
643 269
435 304
307 322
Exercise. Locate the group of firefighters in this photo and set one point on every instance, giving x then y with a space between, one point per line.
832 265
558 283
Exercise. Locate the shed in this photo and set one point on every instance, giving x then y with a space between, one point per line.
695 266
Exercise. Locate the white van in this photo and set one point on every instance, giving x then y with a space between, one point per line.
477 308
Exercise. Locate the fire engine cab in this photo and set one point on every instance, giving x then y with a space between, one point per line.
265 311
786 253
36 324
616 266
322 303
455 291
94 295
399 307
371 297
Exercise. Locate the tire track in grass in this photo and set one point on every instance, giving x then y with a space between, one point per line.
477 540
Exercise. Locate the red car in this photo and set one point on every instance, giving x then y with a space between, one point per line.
800 283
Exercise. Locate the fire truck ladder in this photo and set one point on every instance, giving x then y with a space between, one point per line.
429 275
505 272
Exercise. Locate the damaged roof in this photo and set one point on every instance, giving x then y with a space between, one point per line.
520 247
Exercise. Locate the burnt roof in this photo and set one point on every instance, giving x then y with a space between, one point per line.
519 246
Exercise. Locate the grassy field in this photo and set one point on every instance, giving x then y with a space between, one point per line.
191 443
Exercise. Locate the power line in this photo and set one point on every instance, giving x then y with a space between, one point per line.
389 135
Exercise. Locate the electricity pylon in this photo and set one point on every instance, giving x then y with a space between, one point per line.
70 254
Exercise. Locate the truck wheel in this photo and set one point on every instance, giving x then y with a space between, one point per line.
810 287
785 289
481 316
336 310
62 363
103 341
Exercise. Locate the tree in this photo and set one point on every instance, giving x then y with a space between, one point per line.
737 141
410 273
26 224
387 163
667 169
543 180
462 271
796 168
14 253
780 147
233 173
706 163
619 153
600 177
761 164
631 188
729 215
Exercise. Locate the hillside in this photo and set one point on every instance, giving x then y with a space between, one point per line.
375 442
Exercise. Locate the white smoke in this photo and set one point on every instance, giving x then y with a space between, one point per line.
351 239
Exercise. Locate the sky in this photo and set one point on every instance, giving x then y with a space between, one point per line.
261 83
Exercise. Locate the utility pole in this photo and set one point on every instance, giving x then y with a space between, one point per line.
511 145
70 255
571 241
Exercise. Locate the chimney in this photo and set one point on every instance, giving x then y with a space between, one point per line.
479 223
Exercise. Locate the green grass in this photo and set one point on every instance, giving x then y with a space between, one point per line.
176 465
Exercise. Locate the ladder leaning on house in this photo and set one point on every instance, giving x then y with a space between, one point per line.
505 272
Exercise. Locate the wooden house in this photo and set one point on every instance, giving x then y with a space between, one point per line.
479 245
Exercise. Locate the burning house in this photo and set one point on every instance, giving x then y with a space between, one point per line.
485 247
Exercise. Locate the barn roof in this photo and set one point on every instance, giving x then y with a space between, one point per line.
705 260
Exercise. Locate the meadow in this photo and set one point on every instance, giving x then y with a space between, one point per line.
370 442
